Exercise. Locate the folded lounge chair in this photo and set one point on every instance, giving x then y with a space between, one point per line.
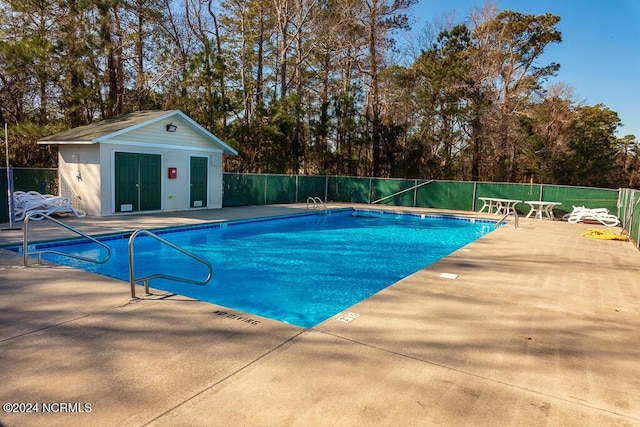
602 215
32 201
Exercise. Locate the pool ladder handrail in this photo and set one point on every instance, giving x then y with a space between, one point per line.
42 215
145 280
509 211
316 202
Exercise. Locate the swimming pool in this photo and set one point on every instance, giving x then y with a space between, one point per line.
300 269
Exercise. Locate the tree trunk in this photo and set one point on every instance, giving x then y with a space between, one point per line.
373 110
139 53
259 62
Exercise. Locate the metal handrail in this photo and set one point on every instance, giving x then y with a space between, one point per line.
145 280
509 211
403 191
316 201
25 242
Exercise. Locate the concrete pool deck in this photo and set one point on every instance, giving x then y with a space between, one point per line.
541 327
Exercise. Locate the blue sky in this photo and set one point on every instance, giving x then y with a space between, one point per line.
599 55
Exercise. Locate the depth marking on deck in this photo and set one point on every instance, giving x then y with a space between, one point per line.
347 317
449 275
235 316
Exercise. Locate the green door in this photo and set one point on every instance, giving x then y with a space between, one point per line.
137 182
126 182
198 182
150 182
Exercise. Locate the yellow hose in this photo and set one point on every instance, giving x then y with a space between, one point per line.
604 234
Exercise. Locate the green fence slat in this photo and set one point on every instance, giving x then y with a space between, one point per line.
630 213
581 196
311 186
349 189
280 189
388 189
44 181
446 195
243 189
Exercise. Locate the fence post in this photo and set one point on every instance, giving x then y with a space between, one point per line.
326 188
266 178
622 194
475 193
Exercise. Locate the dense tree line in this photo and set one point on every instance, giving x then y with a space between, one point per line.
313 87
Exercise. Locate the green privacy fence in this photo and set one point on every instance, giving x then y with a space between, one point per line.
265 189
630 213
260 189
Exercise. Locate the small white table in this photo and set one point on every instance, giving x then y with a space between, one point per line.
538 208
500 205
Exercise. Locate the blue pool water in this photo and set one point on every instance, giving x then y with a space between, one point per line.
300 270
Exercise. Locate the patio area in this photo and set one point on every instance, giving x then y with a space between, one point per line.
541 327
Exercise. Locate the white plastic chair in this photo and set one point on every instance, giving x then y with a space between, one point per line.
602 215
48 204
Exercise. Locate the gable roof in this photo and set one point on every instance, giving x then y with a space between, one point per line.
97 132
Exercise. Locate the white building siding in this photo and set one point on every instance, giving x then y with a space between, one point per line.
80 177
156 133
215 180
